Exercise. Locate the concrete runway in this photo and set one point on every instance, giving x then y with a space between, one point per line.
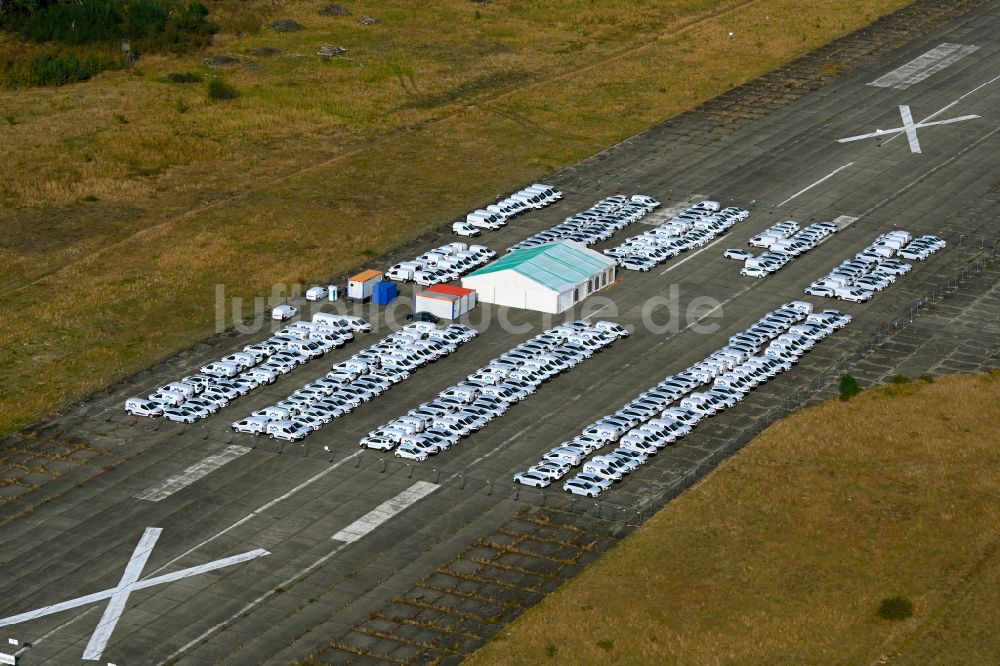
343 537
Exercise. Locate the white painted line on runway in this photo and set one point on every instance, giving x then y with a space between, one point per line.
594 313
908 127
931 171
384 512
821 180
842 222
693 254
924 66
667 212
113 611
199 470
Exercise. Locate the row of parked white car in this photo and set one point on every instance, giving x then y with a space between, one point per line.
495 216
597 223
668 411
875 267
355 381
442 264
220 382
486 394
783 242
694 227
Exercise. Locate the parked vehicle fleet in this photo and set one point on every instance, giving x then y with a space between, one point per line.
498 214
666 412
220 382
442 264
782 242
694 227
597 223
875 267
468 406
355 381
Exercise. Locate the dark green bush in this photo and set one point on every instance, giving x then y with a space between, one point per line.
219 90
849 387
151 25
900 378
53 69
182 77
895 608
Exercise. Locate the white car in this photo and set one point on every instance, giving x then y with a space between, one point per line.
377 443
180 415
533 479
553 469
580 487
411 452
823 292
738 255
595 479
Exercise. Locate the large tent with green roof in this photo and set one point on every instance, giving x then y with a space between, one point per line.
547 278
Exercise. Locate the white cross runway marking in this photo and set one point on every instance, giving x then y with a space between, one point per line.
129 583
909 127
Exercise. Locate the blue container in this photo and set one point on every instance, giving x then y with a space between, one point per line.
384 292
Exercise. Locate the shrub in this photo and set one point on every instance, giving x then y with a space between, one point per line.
182 77
550 650
605 643
220 90
927 378
53 69
849 387
153 25
900 378
895 608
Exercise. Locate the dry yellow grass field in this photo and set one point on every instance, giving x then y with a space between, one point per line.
783 554
126 199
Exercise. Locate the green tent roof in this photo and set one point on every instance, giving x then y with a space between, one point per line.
554 265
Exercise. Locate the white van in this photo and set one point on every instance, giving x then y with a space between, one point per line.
604 471
221 369
357 366
466 394
272 413
316 293
254 425
187 390
143 407
486 218
283 312
403 272
328 319
463 228
310 349
291 431
263 375
168 398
